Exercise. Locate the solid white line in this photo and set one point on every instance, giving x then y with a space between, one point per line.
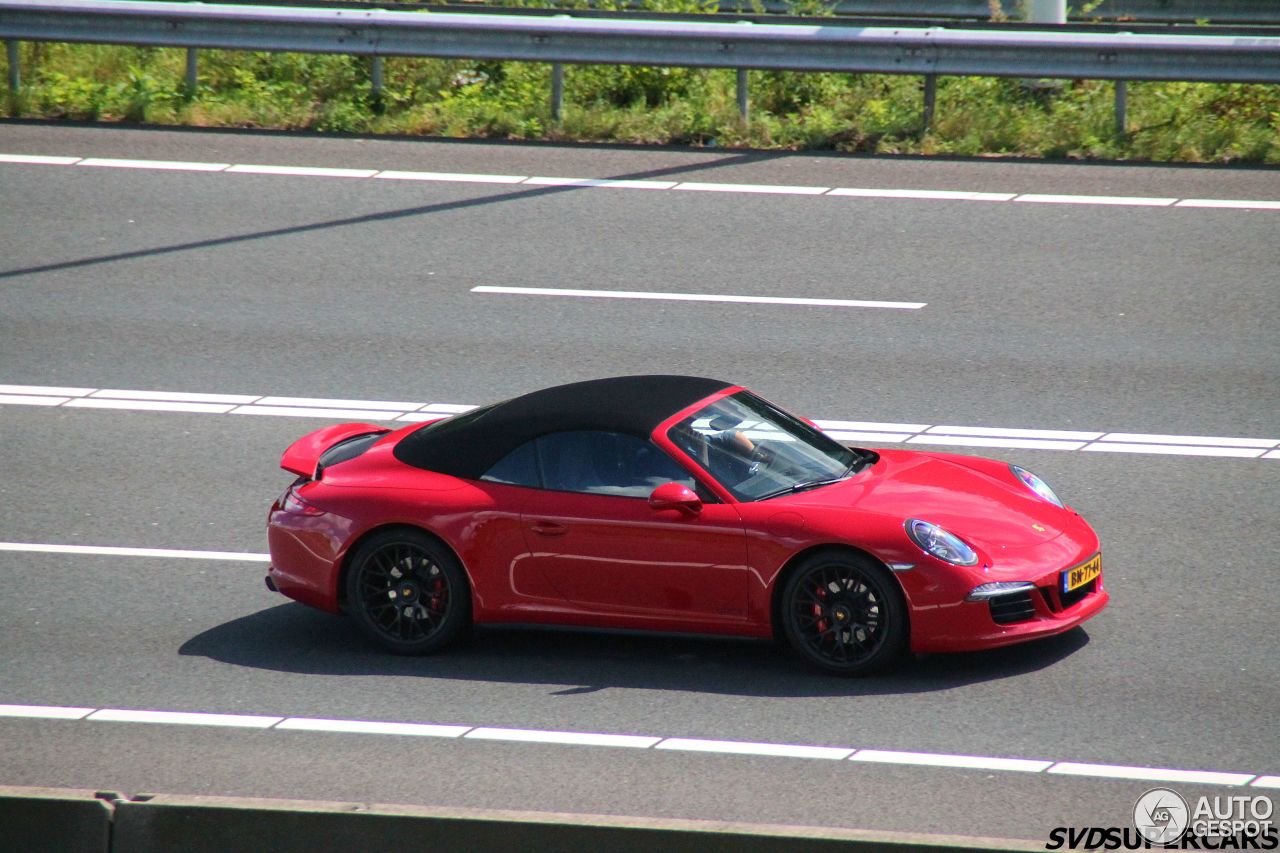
148 406
301 412
38 159
336 404
1150 774
768 189
573 738
734 747
694 297
309 171
870 437
30 400
182 718
1131 201
1173 450
44 712
930 759
169 165
421 417
447 408
1239 204
1275 454
311 724
871 426
600 182
111 551
393 175
173 396
45 389
1001 432
1212 441
931 195
979 441
1266 782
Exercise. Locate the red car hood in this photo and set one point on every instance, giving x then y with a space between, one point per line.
990 509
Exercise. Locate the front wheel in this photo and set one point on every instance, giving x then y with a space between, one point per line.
407 592
844 613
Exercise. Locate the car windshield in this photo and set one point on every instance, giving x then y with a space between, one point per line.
757 451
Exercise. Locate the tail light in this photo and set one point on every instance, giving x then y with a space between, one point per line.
293 502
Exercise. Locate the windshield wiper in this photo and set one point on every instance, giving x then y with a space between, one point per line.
806 485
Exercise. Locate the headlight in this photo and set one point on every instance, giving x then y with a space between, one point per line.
936 542
1035 484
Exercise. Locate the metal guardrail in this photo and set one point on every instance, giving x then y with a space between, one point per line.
927 51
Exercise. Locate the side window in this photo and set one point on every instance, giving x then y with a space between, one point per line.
517 468
606 463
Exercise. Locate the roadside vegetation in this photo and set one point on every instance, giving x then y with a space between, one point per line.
1187 122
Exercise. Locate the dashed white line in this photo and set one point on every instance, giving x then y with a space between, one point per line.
671 744
695 297
115 551
868 432
610 183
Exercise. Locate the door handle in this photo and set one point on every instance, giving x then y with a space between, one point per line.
549 528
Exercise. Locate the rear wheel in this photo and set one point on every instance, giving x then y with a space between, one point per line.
407 592
844 613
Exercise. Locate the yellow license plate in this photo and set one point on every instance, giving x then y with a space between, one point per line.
1082 574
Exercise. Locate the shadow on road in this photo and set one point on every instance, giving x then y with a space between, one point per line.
295 639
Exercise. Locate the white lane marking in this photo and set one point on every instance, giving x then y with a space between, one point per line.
306 412
870 756
869 431
38 159
149 405
570 738
1060 434
334 404
307 171
1238 204
600 182
45 712
29 400
927 195
1173 450
592 183
736 747
981 441
113 551
1130 201
174 396
169 165
1212 441
312 724
1151 774
184 718
45 389
458 177
766 189
928 759
694 297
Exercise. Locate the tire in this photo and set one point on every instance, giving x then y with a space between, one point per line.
407 592
844 613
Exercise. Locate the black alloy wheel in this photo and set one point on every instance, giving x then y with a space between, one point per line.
407 592
844 613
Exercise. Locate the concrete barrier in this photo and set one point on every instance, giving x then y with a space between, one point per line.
166 823
54 820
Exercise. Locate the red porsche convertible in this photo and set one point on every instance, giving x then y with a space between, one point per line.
678 504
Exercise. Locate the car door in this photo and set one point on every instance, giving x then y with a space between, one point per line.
593 535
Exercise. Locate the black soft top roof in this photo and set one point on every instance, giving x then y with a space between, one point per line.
469 444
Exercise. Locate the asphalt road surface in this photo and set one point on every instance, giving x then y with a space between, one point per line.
1137 309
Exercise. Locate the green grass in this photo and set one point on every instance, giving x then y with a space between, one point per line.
1189 122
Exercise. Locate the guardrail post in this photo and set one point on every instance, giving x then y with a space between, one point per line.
375 82
1122 108
930 99
557 92
1046 11
193 71
15 77
744 103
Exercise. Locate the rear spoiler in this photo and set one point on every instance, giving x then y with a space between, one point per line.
303 454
